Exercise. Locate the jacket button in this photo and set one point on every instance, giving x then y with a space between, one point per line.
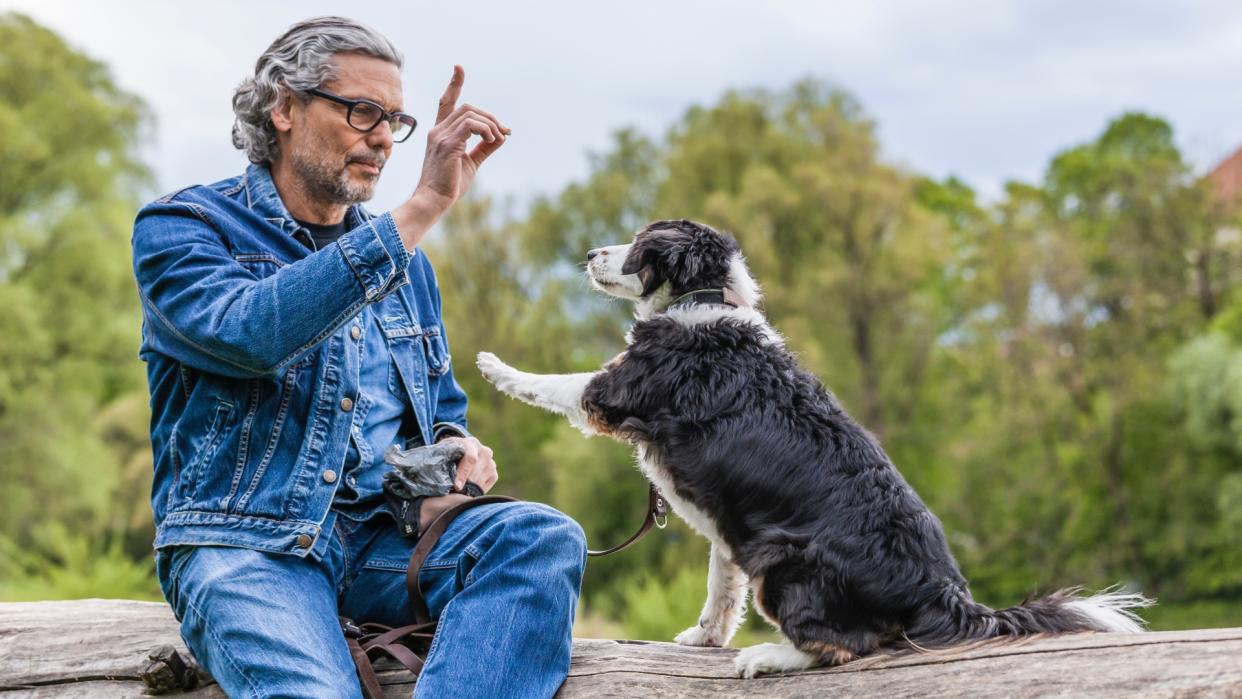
303 541
347 404
355 332
329 476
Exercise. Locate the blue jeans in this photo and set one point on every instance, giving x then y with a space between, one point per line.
503 580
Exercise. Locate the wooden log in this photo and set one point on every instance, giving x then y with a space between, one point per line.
101 648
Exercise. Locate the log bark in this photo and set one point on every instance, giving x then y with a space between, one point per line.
101 648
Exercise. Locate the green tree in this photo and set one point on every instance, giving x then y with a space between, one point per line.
1076 465
73 443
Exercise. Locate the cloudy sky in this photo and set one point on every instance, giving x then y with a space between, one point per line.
987 90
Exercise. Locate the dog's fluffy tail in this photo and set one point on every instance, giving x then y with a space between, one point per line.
961 619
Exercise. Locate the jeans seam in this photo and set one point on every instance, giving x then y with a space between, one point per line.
435 638
474 554
254 691
346 574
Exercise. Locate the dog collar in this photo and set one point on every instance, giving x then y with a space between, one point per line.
723 297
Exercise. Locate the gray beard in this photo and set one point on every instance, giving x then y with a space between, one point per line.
324 184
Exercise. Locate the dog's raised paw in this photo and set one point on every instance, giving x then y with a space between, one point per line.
491 367
768 658
698 636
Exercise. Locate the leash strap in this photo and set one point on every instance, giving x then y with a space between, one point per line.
427 541
367 643
409 644
657 516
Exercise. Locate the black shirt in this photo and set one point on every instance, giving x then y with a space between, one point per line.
325 235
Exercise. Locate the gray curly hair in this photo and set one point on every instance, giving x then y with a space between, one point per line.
300 60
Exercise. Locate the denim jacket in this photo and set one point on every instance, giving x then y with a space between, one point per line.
252 351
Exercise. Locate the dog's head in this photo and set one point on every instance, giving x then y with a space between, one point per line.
668 259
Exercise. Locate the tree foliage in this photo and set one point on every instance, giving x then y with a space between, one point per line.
73 411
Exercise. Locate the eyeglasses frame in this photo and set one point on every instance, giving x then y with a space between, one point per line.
385 115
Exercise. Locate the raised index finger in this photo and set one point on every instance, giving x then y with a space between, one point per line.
448 101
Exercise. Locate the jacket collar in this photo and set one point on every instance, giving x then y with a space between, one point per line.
263 199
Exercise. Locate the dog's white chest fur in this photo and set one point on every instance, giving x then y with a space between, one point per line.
650 464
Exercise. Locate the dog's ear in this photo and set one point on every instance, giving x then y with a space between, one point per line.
646 260
683 253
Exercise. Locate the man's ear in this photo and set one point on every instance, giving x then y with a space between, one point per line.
282 113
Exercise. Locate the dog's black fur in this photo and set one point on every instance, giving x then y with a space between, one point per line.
848 556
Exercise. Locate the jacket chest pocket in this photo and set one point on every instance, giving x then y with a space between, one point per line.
411 362
401 337
438 360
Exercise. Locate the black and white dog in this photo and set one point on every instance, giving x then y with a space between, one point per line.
799 502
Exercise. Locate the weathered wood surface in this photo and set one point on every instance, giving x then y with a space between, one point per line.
98 648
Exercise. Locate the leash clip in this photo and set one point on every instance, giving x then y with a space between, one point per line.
661 513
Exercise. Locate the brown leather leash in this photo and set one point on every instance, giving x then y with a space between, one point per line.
657 516
409 644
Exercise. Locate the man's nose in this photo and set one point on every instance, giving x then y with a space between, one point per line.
591 254
380 136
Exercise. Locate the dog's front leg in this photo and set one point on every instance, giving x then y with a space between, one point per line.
726 603
558 393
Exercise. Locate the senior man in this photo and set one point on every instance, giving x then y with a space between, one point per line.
291 337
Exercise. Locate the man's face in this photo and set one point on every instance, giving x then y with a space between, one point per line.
336 163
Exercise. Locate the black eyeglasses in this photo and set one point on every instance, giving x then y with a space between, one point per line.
365 115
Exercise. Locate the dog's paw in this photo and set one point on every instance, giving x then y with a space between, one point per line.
494 370
699 636
768 658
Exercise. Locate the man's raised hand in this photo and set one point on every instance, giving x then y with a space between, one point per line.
449 169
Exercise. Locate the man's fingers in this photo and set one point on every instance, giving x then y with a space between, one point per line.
490 117
477 127
448 101
469 462
469 112
476 465
489 481
481 470
465 469
473 123
486 475
481 152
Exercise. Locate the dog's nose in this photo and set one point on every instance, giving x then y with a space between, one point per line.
591 254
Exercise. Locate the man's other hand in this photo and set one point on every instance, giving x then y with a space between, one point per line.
475 465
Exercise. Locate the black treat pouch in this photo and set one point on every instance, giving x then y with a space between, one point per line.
404 510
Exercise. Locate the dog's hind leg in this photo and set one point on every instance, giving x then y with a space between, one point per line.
725 605
818 626
558 393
